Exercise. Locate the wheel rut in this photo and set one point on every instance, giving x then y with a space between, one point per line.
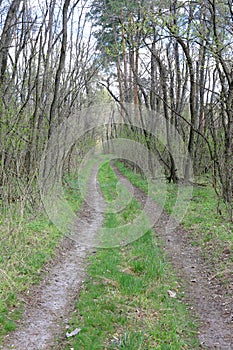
49 304
209 300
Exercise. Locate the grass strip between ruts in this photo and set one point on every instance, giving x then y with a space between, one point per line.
125 303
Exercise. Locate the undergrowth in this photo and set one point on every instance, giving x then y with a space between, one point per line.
25 248
209 230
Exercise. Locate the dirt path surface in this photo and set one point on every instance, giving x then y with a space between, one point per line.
48 305
212 302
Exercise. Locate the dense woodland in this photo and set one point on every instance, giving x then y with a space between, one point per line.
60 56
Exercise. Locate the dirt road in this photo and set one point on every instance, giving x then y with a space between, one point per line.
211 302
48 305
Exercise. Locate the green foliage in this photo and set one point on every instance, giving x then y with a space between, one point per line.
23 253
112 19
72 192
108 182
208 229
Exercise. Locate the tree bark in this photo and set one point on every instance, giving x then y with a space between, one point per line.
60 68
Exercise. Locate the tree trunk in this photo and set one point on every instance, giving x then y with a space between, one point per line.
61 65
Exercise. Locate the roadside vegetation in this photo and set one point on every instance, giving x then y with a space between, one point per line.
25 251
126 301
210 230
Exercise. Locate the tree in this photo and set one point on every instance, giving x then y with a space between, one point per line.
188 50
44 61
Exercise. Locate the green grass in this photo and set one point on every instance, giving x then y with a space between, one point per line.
124 304
209 230
23 253
24 250
174 199
26 245
125 219
108 181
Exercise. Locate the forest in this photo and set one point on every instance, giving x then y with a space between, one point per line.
174 58
146 84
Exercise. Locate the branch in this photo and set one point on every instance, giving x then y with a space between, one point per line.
110 92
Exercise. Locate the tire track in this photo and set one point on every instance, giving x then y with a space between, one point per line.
48 306
210 302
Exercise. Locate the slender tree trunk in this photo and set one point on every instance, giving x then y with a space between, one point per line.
6 37
54 103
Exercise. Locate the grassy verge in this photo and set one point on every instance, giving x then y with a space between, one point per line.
23 252
125 302
207 228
